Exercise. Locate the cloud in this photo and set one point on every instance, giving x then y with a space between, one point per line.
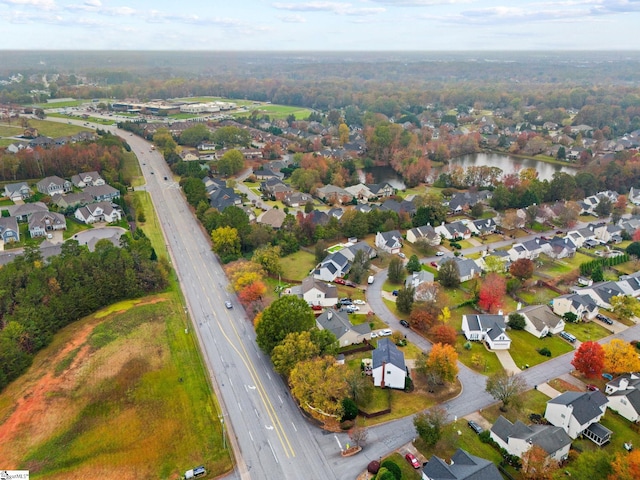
292 18
420 3
93 3
43 4
330 7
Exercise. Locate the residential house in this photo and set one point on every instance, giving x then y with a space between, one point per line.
274 217
561 248
296 199
381 190
463 466
634 196
482 227
316 292
336 212
540 320
465 200
517 438
453 231
24 211
318 217
333 266
103 193
425 233
9 231
361 192
87 179
390 242
467 268
53 185
530 249
600 292
339 324
624 396
71 200
189 155
486 328
405 206
350 251
388 369
418 278
333 194
98 212
17 191
222 198
578 413
40 223
266 173
275 188
580 305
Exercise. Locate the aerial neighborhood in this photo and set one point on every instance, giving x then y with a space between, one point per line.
386 275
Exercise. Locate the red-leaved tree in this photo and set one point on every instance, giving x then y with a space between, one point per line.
252 292
492 290
444 334
589 359
636 236
522 268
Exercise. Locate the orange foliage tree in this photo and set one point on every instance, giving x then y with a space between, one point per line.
626 466
536 465
444 334
443 362
620 357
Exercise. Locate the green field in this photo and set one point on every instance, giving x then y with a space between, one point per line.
70 103
297 265
524 348
56 129
280 111
10 130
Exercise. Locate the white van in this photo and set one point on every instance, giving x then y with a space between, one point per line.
370 279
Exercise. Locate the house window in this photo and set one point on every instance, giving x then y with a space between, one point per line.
562 415
388 372
623 401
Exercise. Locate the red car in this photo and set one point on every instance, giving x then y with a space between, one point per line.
434 264
412 460
316 307
592 388
340 281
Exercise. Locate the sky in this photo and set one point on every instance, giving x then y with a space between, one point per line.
370 25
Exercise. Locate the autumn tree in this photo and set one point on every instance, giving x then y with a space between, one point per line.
287 314
442 363
252 293
493 264
625 306
421 319
430 425
505 387
449 274
318 385
620 357
242 273
589 359
296 347
536 464
444 334
626 466
522 268
492 290
226 243
269 257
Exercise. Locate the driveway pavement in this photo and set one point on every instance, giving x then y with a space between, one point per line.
506 361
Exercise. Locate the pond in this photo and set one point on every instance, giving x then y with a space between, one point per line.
384 174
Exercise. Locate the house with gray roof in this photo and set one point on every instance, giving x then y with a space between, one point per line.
540 320
624 396
53 185
467 267
102 193
274 217
580 305
24 211
380 190
9 231
578 413
453 231
418 278
361 192
86 179
316 292
390 242
634 196
531 249
71 200
405 206
296 199
600 292
561 248
339 324
517 438
483 226
463 466
333 194
424 233
40 223
350 251
98 212
17 191
486 328
333 266
388 369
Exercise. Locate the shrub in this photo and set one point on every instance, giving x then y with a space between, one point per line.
467 346
350 409
393 468
485 436
544 351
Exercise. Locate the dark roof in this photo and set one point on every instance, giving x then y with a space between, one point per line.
586 405
387 352
632 396
338 324
464 466
548 437
330 291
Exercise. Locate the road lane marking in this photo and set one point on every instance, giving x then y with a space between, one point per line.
273 451
337 440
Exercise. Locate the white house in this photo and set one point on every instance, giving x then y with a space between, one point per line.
98 212
540 320
333 266
467 268
390 242
530 249
425 233
626 403
316 292
455 230
580 305
486 328
389 369
517 438
634 196
578 413
17 191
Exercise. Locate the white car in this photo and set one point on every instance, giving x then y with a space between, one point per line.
359 302
374 335
439 254
385 333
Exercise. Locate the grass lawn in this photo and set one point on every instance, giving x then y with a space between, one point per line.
297 265
130 170
524 348
65 104
73 227
106 392
456 296
488 362
586 331
359 318
56 129
5 202
494 237
152 226
622 433
281 111
536 295
532 401
408 472
10 130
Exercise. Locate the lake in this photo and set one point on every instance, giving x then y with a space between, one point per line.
511 164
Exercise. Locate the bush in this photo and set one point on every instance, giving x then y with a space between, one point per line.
393 468
545 352
485 436
349 408
467 346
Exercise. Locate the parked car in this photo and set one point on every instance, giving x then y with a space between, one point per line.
395 293
604 319
404 323
434 264
413 461
351 284
359 302
475 427
346 301
373 335
439 254
340 281
592 388
608 376
228 304
385 332
316 307
402 255
351 308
